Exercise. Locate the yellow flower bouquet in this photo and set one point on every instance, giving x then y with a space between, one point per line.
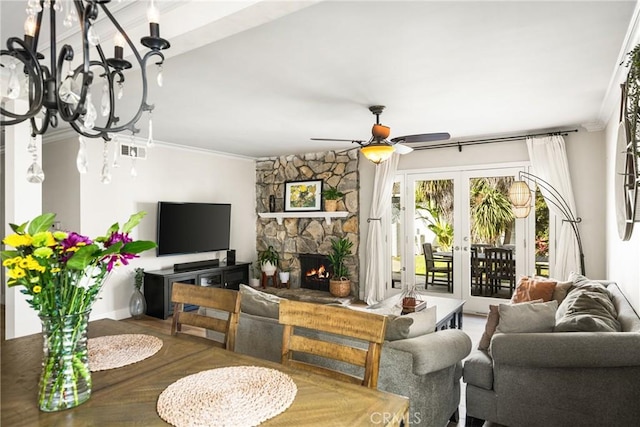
62 274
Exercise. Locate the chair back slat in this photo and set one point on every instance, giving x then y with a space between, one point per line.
337 321
344 353
207 297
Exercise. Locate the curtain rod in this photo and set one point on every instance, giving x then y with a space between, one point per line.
461 144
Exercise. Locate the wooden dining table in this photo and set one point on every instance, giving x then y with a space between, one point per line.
127 396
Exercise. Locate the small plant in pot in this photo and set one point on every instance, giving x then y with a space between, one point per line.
331 196
269 260
256 271
284 274
339 283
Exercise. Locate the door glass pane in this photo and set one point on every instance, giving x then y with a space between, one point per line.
396 235
542 236
433 238
493 237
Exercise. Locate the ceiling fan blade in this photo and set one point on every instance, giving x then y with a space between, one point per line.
424 137
339 140
402 149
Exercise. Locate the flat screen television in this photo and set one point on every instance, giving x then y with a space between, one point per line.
185 228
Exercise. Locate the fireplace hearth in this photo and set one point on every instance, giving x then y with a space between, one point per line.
315 272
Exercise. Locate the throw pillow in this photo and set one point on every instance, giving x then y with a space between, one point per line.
424 322
397 327
259 303
561 290
588 308
530 289
522 318
493 318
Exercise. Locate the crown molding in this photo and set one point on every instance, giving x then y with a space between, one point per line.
611 99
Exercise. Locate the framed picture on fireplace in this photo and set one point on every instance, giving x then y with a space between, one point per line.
303 195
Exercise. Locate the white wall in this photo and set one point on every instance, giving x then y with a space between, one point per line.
169 173
623 264
585 151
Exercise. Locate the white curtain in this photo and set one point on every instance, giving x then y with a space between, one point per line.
549 161
376 264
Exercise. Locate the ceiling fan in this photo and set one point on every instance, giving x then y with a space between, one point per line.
379 148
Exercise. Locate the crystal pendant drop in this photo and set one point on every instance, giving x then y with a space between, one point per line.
116 146
160 79
120 90
47 4
133 151
91 115
105 107
93 38
67 22
105 174
133 171
35 174
81 159
13 88
150 139
57 6
70 90
34 5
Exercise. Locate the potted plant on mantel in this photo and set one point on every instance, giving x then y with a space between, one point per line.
339 283
331 196
269 260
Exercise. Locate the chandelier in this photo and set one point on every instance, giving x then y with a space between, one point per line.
68 86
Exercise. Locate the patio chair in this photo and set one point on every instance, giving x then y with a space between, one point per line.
500 268
432 269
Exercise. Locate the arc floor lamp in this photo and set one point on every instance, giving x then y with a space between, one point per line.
520 196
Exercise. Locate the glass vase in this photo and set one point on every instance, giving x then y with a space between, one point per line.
137 304
65 381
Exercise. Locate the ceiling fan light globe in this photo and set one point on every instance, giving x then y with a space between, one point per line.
377 152
380 131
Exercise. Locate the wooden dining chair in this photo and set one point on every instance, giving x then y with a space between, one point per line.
431 269
216 298
500 267
338 321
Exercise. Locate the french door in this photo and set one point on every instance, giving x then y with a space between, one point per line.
446 229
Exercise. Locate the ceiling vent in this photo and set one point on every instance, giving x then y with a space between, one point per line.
133 151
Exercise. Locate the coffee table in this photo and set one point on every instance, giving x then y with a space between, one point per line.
448 311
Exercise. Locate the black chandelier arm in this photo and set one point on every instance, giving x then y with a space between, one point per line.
23 54
560 202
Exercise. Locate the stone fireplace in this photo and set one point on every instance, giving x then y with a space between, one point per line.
293 235
315 272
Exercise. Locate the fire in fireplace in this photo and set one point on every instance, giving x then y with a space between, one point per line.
315 271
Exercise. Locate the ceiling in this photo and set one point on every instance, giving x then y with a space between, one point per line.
259 78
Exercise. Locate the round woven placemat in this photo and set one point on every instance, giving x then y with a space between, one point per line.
233 396
115 351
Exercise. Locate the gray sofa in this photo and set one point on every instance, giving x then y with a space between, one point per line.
427 368
559 378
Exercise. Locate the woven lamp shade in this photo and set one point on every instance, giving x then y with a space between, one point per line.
377 152
521 211
519 194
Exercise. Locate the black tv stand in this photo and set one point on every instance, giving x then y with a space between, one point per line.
186 266
158 284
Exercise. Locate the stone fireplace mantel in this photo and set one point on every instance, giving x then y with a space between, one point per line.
279 216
